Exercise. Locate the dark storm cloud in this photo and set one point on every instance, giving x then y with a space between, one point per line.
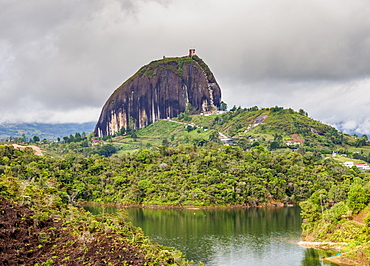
60 60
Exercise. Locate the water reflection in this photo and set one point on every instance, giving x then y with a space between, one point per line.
313 257
260 236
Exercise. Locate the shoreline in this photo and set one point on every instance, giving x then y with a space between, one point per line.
338 258
181 207
323 245
345 258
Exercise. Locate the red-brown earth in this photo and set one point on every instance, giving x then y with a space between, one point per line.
26 240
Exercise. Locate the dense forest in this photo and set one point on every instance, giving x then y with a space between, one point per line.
37 227
212 175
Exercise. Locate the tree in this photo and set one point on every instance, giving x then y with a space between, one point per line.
107 150
303 112
36 138
223 106
189 128
337 212
361 142
301 150
121 132
78 137
276 109
357 198
189 109
214 136
274 145
134 135
131 124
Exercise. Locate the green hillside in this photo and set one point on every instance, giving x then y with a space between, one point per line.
163 132
340 215
278 128
273 124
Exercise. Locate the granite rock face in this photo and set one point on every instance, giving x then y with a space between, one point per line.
159 90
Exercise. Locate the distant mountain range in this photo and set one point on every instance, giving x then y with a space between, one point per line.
43 130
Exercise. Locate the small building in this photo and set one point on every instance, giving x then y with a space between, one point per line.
225 140
348 164
191 52
214 112
292 143
363 166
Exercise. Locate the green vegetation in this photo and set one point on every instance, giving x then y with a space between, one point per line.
277 128
277 155
33 210
173 64
341 214
154 68
163 132
205 68
212 175
81 144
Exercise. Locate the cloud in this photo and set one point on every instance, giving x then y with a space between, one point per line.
67 57
37 113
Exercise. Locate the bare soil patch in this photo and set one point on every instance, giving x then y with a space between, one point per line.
36 150
297 138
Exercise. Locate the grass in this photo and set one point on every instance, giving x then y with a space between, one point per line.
343 159
161 129
365 149
159 133
201 120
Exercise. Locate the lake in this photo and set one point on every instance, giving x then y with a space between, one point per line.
256 236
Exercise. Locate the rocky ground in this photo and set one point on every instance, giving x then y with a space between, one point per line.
26 239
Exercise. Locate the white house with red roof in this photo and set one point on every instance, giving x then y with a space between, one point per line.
363 166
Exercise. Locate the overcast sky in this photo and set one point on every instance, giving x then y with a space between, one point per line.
60 60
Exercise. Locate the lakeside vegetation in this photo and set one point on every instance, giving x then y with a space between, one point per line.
39 228
182 162
334 198
344 219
